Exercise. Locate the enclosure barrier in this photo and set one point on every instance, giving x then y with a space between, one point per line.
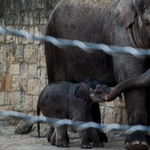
88 47
80 125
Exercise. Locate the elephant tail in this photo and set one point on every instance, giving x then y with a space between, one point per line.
38 123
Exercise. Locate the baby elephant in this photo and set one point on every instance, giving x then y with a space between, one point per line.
72 101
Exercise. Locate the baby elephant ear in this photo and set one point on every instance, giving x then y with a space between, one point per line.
125 12
82 91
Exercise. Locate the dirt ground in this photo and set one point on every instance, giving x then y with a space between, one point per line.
11 141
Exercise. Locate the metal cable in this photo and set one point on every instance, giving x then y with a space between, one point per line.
88 47
81 125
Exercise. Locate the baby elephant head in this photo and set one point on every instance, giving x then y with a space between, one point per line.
93 90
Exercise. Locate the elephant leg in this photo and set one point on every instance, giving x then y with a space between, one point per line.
148 111
97 118
53 138
85 139
136 110
95 137
51 132
61 136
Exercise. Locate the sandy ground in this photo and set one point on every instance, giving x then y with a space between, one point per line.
11 141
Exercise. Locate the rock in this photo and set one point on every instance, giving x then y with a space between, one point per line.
24 127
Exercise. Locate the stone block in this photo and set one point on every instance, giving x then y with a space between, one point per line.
51 4
43 73
43 18
6 108
6 54
20 52
18 101
102 112
2 98
28 5
41 55
23 84
42 84
9 82
28 103
43 78
25 18
35 100
39 32
14 69
21 40
2 39
16 11
13 53
42 60
3 83
7 7
10 20
41 4
23 76
7 100
23 70
23 4
30 54
10 38
2 21
33 86
110 104
31 31
15 83
35 19
32 71
112 115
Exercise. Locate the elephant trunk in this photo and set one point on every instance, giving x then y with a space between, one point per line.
136 82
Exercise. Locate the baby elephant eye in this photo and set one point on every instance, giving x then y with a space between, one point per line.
147 22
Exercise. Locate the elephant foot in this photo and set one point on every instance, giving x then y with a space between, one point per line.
98 144
86 145
148 139
51 131
62 144
136 142
103 137
137 145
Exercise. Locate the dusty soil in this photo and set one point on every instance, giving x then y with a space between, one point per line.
11 141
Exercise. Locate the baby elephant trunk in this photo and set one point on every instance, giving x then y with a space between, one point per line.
136 82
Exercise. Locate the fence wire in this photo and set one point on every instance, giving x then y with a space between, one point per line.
88 47
81 125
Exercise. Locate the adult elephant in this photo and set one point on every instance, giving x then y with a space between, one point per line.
121 23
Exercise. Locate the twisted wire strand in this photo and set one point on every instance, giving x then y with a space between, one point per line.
85 46
81 125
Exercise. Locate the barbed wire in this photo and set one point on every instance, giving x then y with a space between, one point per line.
88 47
81 125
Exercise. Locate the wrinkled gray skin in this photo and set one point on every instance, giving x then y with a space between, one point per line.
112 22
72 101
135 82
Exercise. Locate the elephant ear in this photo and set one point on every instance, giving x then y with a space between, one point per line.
126 12
82 91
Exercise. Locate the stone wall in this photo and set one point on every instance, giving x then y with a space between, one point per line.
22 62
